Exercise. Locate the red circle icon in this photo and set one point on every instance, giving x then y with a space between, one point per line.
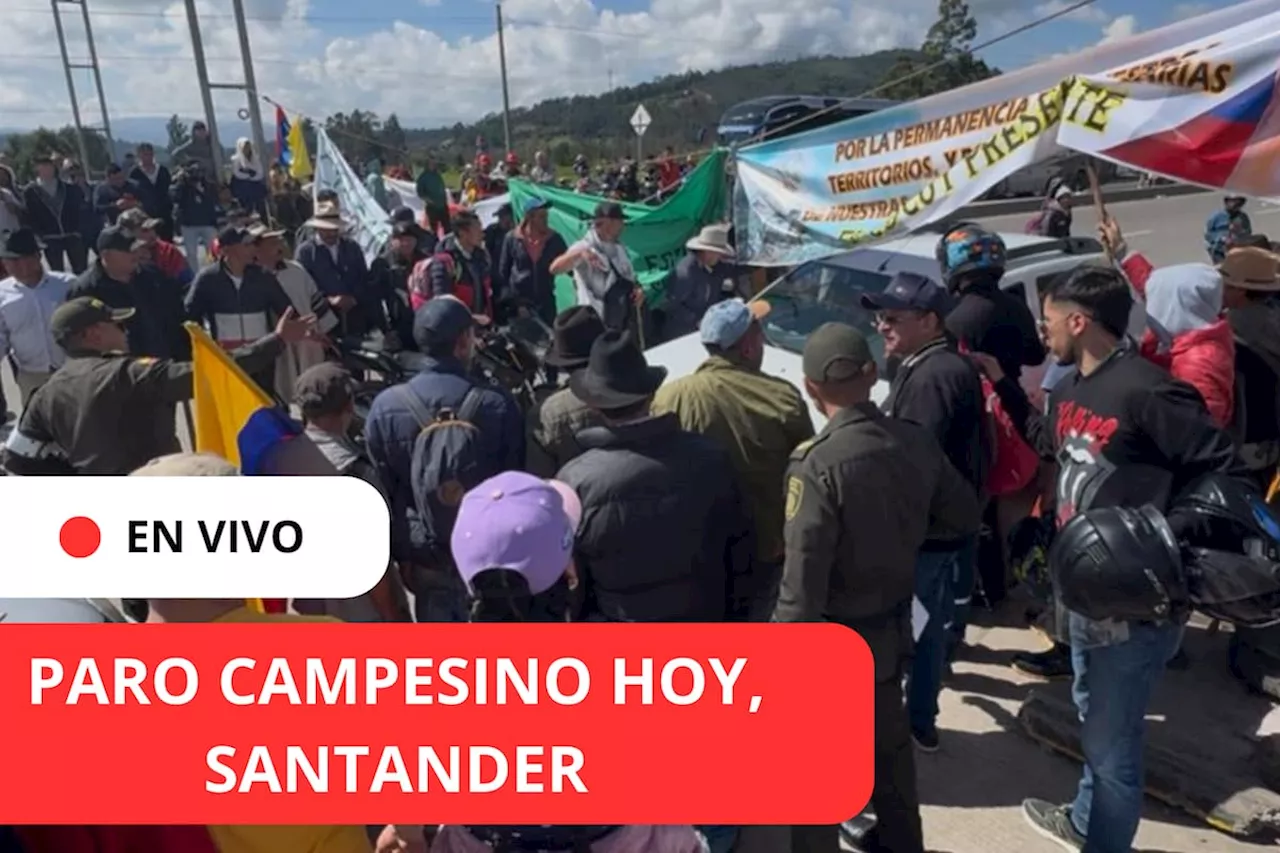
80 536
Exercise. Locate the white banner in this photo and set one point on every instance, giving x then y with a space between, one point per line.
486 209
889 172
368 224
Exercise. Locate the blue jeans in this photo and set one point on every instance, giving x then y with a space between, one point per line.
935 587
961 595
1112 687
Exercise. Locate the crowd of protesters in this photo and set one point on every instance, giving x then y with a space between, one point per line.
624 495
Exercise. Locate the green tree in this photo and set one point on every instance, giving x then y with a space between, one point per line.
23 148
946 54
393 139
179 133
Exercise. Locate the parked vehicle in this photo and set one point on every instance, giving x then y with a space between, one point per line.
778 116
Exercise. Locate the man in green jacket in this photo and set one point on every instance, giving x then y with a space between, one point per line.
759 419
435 198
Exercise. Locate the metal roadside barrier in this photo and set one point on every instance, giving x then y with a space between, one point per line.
1113 193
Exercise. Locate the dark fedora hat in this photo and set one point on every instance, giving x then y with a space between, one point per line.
573 332
22 243
617 374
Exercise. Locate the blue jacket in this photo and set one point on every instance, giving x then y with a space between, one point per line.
349 276
1221 228
391 429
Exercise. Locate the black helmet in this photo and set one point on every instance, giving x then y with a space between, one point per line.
1233 557
1119 563
968 247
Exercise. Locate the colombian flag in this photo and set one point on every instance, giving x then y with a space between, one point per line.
234 418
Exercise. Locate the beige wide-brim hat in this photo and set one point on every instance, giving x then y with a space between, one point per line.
328 217
1251 268
713 238
188 465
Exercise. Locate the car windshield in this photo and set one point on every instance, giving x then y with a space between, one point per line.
817 293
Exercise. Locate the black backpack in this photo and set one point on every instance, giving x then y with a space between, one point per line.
448 461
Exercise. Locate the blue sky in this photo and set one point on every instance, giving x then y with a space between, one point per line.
435 61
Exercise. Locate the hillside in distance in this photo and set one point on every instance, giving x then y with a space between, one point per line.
685 108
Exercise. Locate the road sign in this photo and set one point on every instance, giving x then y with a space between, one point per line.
640 120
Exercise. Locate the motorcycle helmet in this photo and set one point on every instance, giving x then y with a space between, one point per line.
1231 552
969 247
1119 563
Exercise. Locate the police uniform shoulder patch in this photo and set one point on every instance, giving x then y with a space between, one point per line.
803 448
145 361
795 492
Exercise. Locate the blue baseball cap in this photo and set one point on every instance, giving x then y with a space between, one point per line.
441 320
533 204
726 322
908 291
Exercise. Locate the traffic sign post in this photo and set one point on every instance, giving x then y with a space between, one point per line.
640 122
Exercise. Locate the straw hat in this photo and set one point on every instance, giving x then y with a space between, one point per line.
327 217
713 238
1251 268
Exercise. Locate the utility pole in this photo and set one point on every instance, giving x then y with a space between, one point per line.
250 85
92 65
206 92
506 100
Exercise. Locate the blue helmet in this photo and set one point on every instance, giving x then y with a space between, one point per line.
969 248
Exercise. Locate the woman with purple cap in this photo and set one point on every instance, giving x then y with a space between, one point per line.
512 542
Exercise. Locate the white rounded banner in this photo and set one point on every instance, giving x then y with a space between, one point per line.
192 537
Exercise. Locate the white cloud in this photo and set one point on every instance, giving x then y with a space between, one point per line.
1120 28
554 47
1183 11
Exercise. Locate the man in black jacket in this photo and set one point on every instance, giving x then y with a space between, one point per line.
1124 433
195 202
389 275
665 534
53 212
151 182
938 389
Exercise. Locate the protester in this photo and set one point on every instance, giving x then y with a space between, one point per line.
1186 300
862 498
28 299
758 419
602 273
1054 217
195 201
1145 437
1228 225
426 240
542 172
237 300
495 233
89 222
325 396
197 149
554 423
435 197
114 195
389 276
167 258
291 206
669 175
703 277
374 184
118 279
107 411
666 536
306 298
11 209
460 267
248 182
1251 277
524 262
151 182
337 264
937 389
444 331
51 207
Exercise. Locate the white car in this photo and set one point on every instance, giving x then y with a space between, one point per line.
831 289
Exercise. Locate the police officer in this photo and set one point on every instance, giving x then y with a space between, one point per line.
861 497
105 412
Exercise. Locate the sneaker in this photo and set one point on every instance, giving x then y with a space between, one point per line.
926 741
1053 664
1053 822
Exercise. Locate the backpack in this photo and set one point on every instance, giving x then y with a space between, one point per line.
1013 462
447 462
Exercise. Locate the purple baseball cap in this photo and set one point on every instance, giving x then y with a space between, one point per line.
519 522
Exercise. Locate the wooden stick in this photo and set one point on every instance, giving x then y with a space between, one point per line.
1099 205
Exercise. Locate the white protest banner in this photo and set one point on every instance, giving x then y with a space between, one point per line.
883 174
486 209
368 224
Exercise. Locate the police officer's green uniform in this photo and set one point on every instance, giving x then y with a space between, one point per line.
107 413
860 499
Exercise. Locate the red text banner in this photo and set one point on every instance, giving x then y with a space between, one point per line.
522 724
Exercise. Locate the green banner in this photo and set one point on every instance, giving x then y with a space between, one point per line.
654 236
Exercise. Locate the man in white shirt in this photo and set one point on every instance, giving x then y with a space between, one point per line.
602 273
28 298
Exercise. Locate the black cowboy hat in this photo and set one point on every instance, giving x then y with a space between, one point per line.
573 332
20 244
616 374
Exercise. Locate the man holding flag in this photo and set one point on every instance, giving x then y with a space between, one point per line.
106 412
